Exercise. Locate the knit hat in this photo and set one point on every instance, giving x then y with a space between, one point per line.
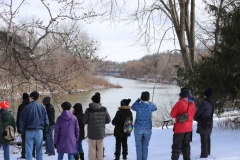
66 105
4 104
25 96
78 108
184 93
34 95
208 92
47 99
125 102
145 96
96 98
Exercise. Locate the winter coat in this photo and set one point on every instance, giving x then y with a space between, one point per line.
206 109
66 133
144 111
96 116
34 117
6 118
51 114
179 108
19 111
81 125
119 120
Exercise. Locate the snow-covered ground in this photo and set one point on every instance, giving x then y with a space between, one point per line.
225 146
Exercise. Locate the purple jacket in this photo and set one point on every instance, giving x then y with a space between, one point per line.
66 133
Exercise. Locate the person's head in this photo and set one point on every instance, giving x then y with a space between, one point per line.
125 102
66 105
78 108
145 96
4 105
96 98
46 100
184 93
25 96
208 92
34 96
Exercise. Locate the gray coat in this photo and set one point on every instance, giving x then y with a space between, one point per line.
204 110
96 116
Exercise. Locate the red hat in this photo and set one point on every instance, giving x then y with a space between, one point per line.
4 104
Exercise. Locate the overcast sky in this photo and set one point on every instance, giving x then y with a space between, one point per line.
116 41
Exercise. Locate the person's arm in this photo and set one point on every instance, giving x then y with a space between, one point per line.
135 104
56 132
46 121
18 119
85 117
108 118
116 119
14 124
199 111
174 112
23 119
77 129
154 107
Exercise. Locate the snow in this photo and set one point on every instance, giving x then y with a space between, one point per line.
225 145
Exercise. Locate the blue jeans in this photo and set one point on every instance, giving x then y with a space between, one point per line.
34 136
60 156
6 151
142 138
49 141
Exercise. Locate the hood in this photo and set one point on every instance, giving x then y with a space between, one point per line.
94 106
66 115
124 107
211 100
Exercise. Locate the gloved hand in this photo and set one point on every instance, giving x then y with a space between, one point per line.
55 146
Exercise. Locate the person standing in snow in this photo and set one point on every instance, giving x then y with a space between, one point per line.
118 121
33 121
6 118
66 132
204 117
51 117
78 112
143 124
96 116
182 130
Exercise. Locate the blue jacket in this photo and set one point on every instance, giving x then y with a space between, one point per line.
144 111
34 117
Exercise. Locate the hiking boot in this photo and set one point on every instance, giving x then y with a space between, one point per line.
124 157
117 158
81 156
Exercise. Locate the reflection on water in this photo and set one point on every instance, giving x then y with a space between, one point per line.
110 98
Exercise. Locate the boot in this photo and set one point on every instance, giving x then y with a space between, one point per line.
81 156
124 157
76 157
117 158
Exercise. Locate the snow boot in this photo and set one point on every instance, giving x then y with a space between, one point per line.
124 157
117 158
81 156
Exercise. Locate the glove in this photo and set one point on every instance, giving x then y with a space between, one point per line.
55 146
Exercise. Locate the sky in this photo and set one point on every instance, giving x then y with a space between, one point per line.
224 144
117 41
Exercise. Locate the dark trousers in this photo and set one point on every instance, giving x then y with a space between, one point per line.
181 141
23 153
205 145
121 141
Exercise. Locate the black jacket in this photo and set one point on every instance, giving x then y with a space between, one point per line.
119 120
51 114
81 125
19 111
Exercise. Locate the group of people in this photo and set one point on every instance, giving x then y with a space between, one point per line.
36 123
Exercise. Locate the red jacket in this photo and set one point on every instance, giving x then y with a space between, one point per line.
179 108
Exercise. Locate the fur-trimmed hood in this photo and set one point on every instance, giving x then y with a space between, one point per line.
124 107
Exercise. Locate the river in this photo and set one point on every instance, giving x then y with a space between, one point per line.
165 96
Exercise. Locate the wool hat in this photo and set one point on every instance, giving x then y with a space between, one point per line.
78 108
34 95
66 105
145 96
47 99
208 92
96 98
4 104
184 93
25 96
125 102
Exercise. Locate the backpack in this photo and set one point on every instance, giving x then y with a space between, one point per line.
128 125
9 133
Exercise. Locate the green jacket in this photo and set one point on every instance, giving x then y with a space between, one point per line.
6 118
